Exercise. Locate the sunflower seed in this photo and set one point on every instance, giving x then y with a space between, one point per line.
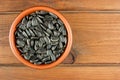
41 50
39 20
44 45
60 22
44 60
20 42
50 26
61 29
65 40
43 12
24 33
27 57
32 43
21 50
38 63
37 12
40 44
33 58
54 47
56 33
62 38
64 32
57 26
54 38
39 56
25 49
30 17
28 42
46 33
57 55
31 61
42 39
49 31
24 20
35 61
27 32
20 30
33 14
36 45
40 16
39 34
49 52
34 22
48 18
53 58
53 15
54 21
29 24
48 62
54 43
60 45
31 51
31 32
22 26
49 46
47 40
34 37
42 26
34 31
19 35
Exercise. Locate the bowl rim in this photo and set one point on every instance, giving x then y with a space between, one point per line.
12 37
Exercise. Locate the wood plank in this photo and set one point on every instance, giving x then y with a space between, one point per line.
69 5
60 73
96 38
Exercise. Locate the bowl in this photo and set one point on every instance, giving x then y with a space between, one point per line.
16 51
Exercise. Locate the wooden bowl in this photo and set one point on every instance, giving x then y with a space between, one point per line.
18 54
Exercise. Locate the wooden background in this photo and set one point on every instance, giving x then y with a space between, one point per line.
95 53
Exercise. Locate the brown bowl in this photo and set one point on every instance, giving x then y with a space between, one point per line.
17 53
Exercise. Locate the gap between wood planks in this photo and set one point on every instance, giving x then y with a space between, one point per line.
18 12
70 65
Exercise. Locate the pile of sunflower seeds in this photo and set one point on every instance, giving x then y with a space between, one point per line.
41 37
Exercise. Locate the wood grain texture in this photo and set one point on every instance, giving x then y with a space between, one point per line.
95 53
67 5
61 73
96 38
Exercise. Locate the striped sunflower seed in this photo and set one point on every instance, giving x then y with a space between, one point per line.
47 40
25 34
53 15
36 45
31 32
24 20
39 20
34 22
60 22
28 42
56 33
54 47
43 12
20 43
32 43
54 38
49 31
50 26
29 24
48 62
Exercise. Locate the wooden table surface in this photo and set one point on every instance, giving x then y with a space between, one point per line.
95 53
